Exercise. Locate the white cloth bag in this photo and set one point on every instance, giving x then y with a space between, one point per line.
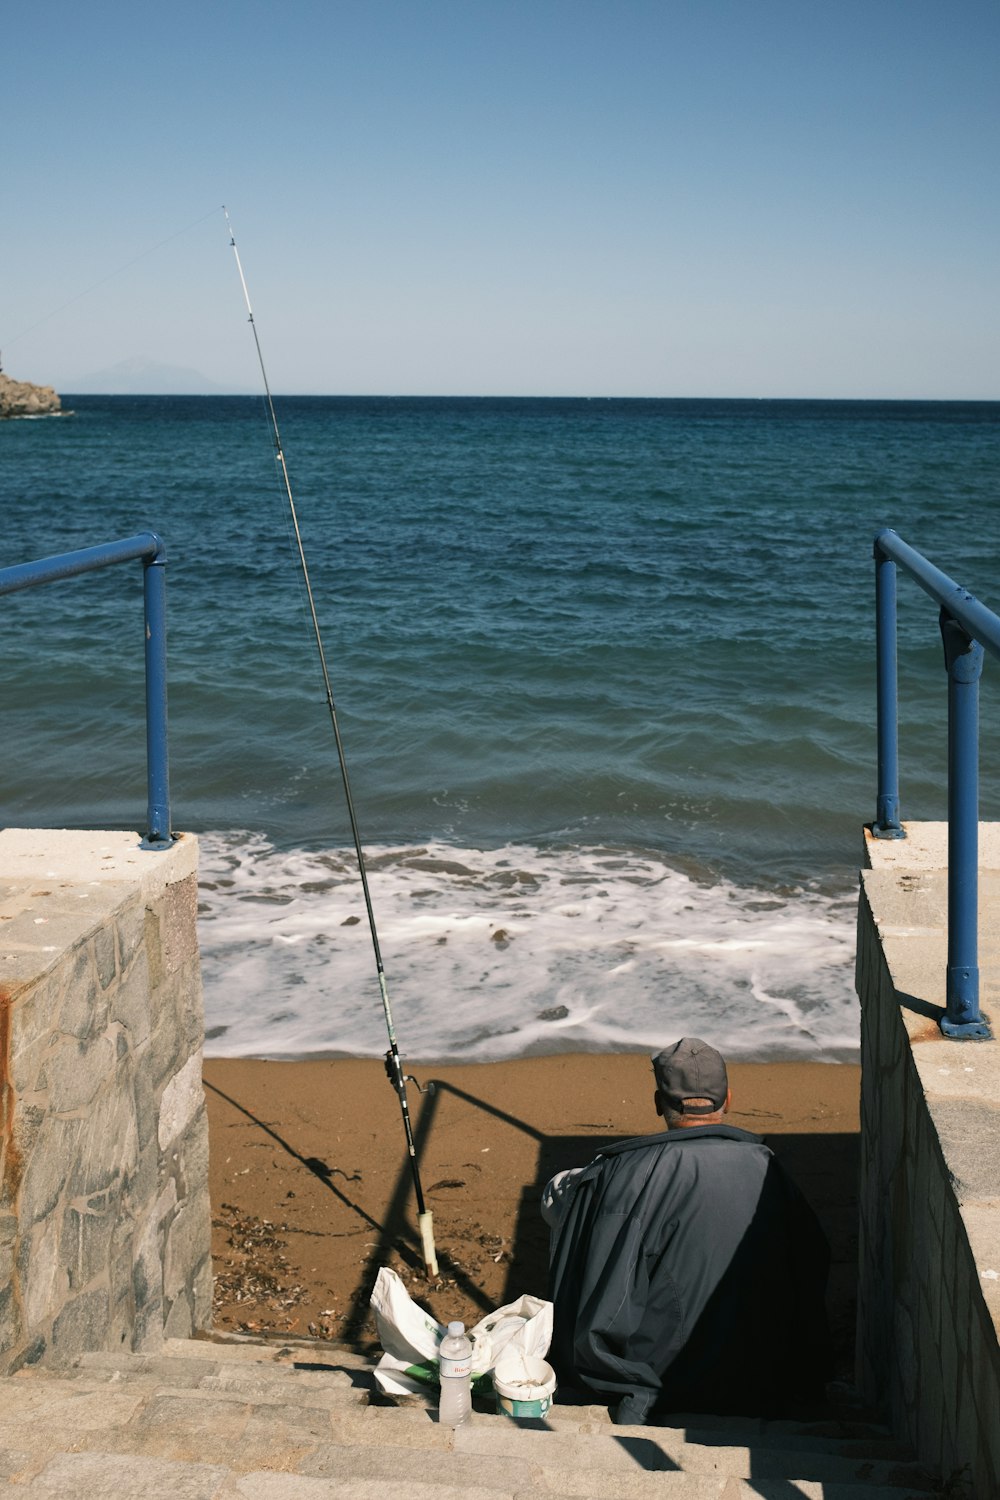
410 1337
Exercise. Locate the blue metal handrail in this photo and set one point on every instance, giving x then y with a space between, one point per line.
967 626
149 547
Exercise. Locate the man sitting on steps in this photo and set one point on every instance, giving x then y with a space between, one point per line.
687 1272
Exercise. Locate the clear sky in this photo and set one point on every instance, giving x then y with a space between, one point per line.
539 197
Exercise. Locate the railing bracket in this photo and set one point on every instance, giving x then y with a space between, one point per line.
967 1031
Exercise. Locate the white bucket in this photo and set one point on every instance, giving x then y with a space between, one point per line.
524 1385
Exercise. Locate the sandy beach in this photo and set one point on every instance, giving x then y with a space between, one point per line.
312 1190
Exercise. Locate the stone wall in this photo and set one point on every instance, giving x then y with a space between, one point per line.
104 1211
929 1272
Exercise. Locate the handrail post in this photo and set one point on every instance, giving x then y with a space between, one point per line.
887 824
964 663
154 586
149 547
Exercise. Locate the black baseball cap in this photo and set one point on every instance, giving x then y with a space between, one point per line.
691 1069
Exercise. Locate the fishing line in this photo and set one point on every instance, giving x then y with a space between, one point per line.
109 277
393 1062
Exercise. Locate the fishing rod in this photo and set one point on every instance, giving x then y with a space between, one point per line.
393 1062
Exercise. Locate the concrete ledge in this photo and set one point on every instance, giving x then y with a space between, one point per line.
76 857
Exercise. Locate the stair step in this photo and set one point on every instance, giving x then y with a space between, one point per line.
237 1348
260 1381
662 1450
110 1476
813 1489
242 1419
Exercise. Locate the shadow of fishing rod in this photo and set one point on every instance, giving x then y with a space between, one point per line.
393 1232
390 1239
441 1087
312 1164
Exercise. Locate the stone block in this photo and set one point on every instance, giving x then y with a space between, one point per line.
44 1278
82 1324
178 1322
201 1295
144 1094
111 1476
182 1099
120 1276
130 1004
153 948
10 1324
130 925
82 1005
192 1149
32 1354
188 1244
78 1070
181 995
89 1229
192 1003
143 1183
109 1143
147 1329
31 1034
8 1245
55 1149
105 956
121 1324
167 1049
179 918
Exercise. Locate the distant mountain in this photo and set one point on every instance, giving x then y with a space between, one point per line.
143 377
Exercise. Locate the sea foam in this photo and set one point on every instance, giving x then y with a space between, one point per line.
513 951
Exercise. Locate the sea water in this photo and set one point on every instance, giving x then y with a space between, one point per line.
605 676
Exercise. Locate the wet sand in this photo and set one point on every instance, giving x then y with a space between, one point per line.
312 1190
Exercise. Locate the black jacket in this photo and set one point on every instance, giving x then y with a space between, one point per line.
689 1274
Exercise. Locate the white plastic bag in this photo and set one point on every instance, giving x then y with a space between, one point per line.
410 1337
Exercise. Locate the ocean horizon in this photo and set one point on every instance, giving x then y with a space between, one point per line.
604 668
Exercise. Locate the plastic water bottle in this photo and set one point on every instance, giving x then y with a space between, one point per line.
455 1355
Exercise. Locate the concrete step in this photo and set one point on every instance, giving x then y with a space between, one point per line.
242 1349
264 1420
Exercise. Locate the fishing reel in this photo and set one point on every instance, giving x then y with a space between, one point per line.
396 1076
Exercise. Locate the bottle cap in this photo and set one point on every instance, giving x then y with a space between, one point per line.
455 1330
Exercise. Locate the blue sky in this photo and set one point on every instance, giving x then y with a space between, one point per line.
654 197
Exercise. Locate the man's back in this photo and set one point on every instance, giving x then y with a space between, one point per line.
688 1273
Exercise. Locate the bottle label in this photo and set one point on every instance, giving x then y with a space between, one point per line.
462 1366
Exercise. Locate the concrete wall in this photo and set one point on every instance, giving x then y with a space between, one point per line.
104 1211
929 1273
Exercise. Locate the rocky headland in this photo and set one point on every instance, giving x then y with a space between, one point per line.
19 398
